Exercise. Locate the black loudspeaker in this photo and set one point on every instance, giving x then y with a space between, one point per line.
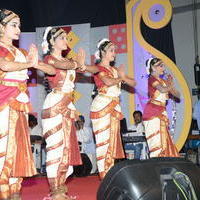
153 179
85 168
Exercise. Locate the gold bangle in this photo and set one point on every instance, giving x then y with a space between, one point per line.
75 65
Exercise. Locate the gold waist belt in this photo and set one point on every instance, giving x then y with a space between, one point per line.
159 103
22 86
59 91
113 98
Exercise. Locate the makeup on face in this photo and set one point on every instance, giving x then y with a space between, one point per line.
61 41
111 52
159 64
12 29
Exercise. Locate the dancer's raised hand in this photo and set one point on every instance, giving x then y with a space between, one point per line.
125 79
32 57
81 55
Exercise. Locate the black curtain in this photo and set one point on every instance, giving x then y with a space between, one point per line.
161 39
37 13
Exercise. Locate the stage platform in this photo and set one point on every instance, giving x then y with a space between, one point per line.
84 188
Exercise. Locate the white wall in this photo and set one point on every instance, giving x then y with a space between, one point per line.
183 36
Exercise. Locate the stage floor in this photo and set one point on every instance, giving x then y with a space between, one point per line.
84 188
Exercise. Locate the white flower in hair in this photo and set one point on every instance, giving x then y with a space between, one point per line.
148 65
97 55
46 32
45 45
102 41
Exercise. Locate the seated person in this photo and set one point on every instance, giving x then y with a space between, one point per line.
85 137
140 150
36 140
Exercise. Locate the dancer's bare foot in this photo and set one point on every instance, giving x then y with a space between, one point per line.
49 197
61 197
68 198
15 196
72 198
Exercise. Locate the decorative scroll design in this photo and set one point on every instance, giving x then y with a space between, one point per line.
155 14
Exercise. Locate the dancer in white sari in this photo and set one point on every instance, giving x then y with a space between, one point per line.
105 110
59 113
16 159
155 117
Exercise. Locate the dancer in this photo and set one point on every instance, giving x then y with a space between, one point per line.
105 109
59 112
155 116
16 159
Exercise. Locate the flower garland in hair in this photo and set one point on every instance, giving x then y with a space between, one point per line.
97 53
148 65
45 45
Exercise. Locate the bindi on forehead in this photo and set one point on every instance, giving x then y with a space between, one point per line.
14 21
62 36
158 63
112 47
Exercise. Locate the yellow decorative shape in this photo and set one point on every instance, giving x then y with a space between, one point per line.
72 39
72 54
133 29
130 54
146 5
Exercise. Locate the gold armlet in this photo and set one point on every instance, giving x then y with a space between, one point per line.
75 65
